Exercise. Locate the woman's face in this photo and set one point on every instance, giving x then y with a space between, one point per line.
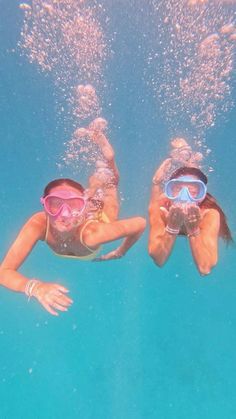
68 205
185 189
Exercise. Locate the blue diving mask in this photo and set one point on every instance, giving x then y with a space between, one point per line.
185 189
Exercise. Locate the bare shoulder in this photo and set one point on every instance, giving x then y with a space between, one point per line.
91 228
37 222
89 231
210 214
160 201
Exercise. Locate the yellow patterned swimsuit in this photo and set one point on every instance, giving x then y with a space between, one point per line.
93 253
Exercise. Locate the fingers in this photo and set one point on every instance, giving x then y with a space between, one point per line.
54 298
64 298
50 304
193 213
48 308
61 288
176 212
108 256
164 211
100 259
59 306
58 300
97 259
193 208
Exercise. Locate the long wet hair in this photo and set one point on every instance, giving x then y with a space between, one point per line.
208 202
62 181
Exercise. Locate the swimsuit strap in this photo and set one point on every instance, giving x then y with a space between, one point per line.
47 230
93 252
81 234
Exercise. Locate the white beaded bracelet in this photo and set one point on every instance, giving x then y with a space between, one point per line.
30 286
172 231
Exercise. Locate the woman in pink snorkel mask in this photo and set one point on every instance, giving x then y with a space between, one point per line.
181 206
74 223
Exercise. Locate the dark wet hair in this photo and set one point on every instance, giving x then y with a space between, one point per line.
62 181
194 171
208 202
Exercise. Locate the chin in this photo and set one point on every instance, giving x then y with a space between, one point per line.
66 227
62 227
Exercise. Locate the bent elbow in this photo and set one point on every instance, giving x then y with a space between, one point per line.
157 259
3 276
204 271
207 261
142 224
206 268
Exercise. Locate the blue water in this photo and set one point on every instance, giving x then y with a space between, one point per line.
139 341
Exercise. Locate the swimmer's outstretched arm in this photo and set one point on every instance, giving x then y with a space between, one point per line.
100 233
108 153
158 178
204 246
51 296
160 242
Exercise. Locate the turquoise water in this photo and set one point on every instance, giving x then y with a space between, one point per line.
139 341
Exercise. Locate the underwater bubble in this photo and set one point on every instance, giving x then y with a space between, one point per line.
190 64
66 40
25 6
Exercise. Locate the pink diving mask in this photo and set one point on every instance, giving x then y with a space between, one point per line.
64 203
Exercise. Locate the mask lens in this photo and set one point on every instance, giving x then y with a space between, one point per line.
196 189
175 189
76 204
53 204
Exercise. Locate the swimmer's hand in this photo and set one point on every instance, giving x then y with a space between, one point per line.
161 172
52 297
192 219
174 218
115 254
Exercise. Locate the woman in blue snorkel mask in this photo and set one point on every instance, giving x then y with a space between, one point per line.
185 208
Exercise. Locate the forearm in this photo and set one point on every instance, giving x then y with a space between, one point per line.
156 192
204 253
136 229
127 243
160 247
13 280
164 228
